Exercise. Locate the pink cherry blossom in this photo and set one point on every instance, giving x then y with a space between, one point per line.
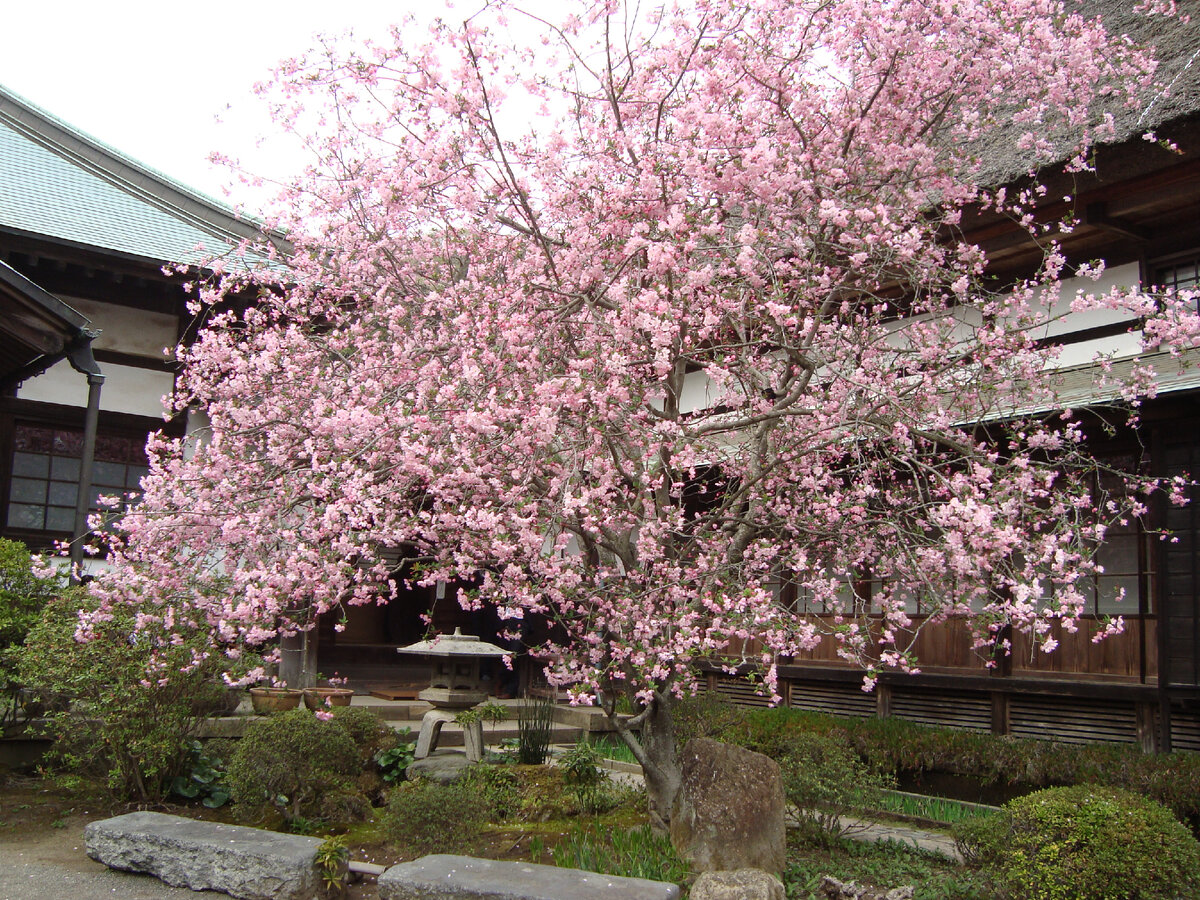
654 328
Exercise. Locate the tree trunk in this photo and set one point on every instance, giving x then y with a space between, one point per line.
655 749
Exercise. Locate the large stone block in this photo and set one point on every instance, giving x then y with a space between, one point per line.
444 877
744 884
730 810
249 863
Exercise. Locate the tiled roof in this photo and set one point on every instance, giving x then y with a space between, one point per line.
59 183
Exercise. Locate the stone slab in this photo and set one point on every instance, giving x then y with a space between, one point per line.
445 877
249 863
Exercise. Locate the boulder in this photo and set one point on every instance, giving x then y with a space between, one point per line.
729 814
442 766
445 877
205 856
744 884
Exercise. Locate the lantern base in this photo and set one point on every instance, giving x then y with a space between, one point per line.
431 730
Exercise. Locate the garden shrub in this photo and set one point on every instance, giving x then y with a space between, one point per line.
824 780
426 817
374 740
593 790
131 701
298 764
500 788
23 595
1085 842
709 715
370 734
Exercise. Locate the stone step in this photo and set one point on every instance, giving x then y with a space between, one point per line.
249 863
467 878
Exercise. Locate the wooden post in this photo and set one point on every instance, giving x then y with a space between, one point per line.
298 659
1147 731
1000 712
883 700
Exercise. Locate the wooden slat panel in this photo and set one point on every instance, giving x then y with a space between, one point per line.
957 709
740 692
1185 731
836 699
1077 654
1072 720
947 646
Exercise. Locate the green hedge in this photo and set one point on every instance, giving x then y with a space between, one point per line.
902 747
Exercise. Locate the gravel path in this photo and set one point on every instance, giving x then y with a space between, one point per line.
53 866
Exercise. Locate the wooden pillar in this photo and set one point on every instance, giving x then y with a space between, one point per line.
1000 721
883 700
298 659
1147 727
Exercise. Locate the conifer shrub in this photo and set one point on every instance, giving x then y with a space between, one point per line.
294 762
1085 842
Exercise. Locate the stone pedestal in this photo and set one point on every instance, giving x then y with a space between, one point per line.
431 729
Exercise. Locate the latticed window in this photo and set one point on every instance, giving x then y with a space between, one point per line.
46 468
1180 274
1124 554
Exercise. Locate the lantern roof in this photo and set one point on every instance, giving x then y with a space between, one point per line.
457 644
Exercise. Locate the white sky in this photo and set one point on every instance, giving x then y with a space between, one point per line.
168 82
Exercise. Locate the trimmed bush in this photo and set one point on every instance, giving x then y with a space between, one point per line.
23 595
427 817
294 762
1085 843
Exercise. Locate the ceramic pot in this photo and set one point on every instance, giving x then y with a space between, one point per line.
314 698
269 700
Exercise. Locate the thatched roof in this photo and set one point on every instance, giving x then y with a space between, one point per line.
1176 46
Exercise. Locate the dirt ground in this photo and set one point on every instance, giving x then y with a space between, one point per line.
42 854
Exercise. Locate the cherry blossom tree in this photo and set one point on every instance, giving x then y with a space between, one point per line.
642 319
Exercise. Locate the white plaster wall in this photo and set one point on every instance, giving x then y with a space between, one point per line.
1125 276
127 389
127 330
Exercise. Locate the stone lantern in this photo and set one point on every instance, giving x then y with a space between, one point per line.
455 684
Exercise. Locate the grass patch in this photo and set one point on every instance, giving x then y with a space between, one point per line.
631 853
935 809
612 747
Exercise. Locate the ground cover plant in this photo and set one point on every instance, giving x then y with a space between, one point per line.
932 809
702 322
883 866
